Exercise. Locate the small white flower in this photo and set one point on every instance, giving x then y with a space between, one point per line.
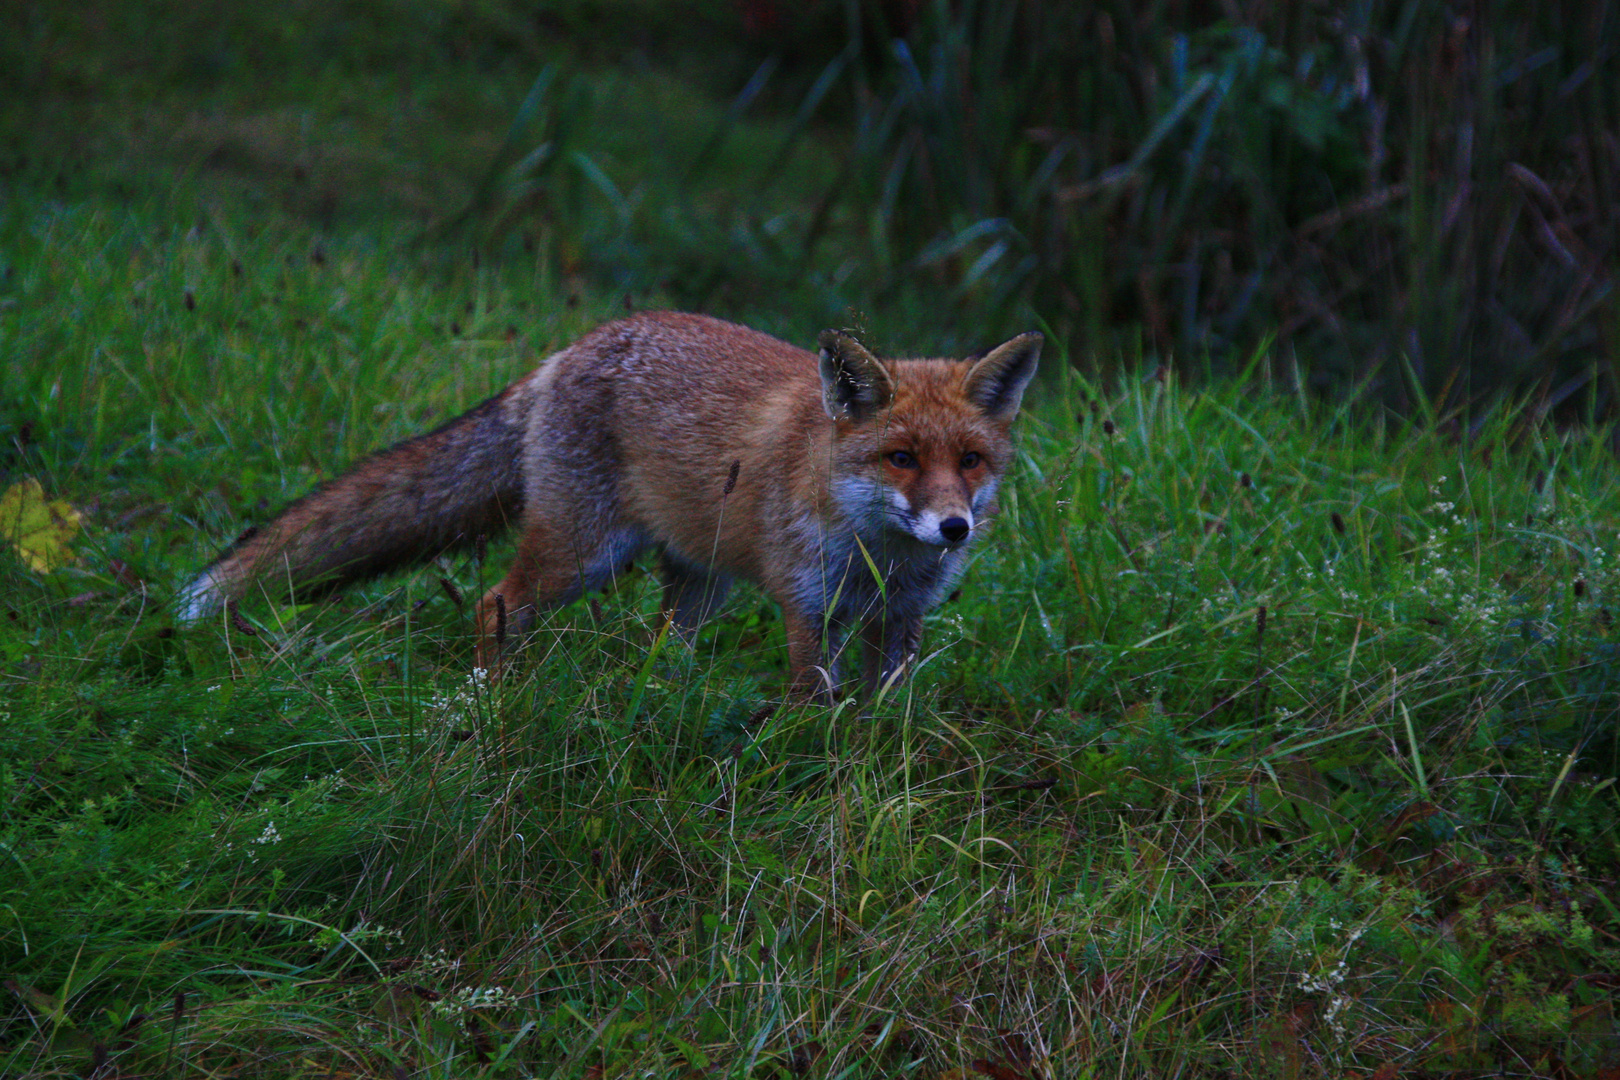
1334 1021
474 997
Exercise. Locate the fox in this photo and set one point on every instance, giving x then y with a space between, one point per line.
849 489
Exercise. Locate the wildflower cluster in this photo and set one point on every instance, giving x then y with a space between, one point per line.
469 998
439 962
461 705
1331 982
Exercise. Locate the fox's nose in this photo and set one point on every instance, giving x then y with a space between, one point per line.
954 529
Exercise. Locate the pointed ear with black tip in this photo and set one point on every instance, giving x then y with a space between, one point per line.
854 385
998 380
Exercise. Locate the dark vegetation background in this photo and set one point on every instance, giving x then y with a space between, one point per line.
1415 197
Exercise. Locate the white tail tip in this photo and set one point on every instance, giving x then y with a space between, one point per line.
200 599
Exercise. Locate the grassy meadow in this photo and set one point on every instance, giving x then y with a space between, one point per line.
1271 734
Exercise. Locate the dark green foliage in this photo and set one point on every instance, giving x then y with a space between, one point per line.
1388 190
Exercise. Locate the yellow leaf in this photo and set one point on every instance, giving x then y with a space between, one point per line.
39 530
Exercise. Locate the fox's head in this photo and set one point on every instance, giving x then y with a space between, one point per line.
921 445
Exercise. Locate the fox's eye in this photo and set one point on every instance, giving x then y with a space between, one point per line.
902 459
970 459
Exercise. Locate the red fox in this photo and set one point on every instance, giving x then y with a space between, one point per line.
848 488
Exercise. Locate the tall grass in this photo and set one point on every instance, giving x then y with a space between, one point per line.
1376 186
1395 191
1396 194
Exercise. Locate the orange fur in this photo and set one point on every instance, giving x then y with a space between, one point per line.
734 453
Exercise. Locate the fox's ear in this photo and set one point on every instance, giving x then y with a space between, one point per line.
997 382
854 385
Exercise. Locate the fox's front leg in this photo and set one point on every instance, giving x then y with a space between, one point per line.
813 646
890 645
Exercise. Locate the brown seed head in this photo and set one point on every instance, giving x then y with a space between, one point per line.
241 624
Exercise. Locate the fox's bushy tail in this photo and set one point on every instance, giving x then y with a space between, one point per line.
401 506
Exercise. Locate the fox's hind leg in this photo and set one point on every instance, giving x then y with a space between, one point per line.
507 611
559 559
692 594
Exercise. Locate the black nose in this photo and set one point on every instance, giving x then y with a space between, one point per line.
955 529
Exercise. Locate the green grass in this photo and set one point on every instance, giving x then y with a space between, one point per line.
1265 739
1119 814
